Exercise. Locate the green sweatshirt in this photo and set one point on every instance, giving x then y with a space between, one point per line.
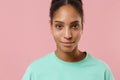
50 67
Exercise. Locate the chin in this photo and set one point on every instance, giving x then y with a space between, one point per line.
67 50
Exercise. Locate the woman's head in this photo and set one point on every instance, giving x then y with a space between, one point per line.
66 24
56 4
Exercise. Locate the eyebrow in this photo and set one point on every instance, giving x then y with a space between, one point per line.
59 21
70 23
74 22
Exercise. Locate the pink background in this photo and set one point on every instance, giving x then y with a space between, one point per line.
25 34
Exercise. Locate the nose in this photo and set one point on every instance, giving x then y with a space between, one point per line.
68 34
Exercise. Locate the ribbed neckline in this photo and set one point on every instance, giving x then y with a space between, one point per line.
70 63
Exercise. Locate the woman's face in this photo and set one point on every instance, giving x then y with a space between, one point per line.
66 28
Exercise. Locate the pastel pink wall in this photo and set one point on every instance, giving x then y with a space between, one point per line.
25 34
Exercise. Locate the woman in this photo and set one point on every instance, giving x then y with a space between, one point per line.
67 62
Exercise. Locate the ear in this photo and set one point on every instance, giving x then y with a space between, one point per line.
81 32
51 28
82 26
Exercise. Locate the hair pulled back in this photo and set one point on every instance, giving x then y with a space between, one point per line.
56 4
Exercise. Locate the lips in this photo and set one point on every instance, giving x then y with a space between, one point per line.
67 44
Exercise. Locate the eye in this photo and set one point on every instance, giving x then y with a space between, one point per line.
75 26
58 26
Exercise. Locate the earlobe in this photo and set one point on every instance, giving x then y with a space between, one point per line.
82 29
51 28
81 32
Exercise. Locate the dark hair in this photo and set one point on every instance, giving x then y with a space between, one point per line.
56 4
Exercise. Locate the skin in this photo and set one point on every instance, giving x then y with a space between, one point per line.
66 28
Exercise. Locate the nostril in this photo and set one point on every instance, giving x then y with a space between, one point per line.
68 36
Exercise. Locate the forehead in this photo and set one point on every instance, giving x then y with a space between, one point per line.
67 13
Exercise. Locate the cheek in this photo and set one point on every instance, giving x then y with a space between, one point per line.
56 35
77 36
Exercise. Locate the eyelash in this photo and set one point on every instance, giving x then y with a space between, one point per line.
59 26
73 26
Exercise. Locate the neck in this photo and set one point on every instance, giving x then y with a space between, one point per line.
73 56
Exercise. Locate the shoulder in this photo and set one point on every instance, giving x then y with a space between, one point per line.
40 62
37 66
100 66
98 62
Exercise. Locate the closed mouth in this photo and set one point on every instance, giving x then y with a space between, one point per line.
67 44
